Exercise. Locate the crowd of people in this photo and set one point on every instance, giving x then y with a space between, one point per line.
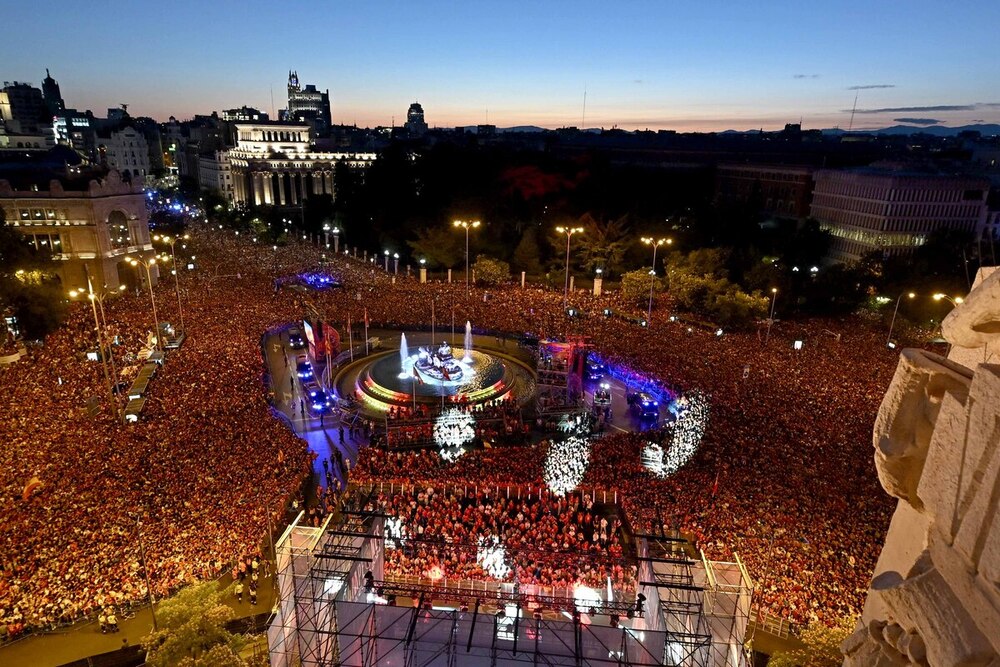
547 540
783 477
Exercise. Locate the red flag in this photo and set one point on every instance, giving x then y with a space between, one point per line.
444 372
366 318
715 486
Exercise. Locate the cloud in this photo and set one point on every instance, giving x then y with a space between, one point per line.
805 76
918 121
873 86
943 107
637 81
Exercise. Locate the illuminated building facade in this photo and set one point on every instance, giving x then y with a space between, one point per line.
86 223
127 151
893 210
307 104
214 173
275 164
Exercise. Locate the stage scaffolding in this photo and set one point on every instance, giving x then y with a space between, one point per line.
337 607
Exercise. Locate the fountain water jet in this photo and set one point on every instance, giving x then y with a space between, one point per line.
467 354
404 354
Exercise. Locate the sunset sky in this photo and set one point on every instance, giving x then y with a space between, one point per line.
680 65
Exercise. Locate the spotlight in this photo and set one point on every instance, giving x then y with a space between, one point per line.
501 613
614 620
465 608
630 614
391 600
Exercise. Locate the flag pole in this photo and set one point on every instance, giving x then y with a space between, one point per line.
366 332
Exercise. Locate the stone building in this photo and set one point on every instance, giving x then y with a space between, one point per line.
935 596
85 220
127 151
275 164
782 191
214 173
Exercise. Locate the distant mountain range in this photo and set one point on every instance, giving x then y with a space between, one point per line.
986 129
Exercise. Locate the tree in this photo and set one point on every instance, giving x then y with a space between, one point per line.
635 285
441 246
602 244
192 631
821 646
527 255
490 271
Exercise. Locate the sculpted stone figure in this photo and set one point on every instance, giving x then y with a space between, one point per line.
935 597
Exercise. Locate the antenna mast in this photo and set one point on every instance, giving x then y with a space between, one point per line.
583 118
853 109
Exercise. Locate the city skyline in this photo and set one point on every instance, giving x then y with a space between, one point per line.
704 68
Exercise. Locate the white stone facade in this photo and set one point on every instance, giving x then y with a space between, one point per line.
935 596
214 173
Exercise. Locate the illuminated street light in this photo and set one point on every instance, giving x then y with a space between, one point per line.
895 310
173 258
466 225
648 240
149 281
954 302
568 231
770 320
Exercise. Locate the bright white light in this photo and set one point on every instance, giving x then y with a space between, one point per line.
685 437
332 586
491 556
565 464
452 431
586 597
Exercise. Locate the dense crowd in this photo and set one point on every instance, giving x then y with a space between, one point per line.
547 540
784 475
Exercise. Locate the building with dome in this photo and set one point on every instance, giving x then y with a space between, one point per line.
415 124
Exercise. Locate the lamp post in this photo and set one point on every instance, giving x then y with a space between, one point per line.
466 225
152 299
395 263
954 302
386 253
656 243
770 319
336 239
94 298
895 310
423 270
173 258
568 231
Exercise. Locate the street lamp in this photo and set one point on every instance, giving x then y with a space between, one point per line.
954 302
173 257
656 243
568 231
467 226
770 320
336 239
95 300
152 299
895 310
395 263
386 260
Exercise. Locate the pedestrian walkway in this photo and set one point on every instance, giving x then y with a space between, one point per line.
84 639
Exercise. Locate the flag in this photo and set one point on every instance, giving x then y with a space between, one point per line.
416 376
32 484
715 486
281 456
444 372
366 319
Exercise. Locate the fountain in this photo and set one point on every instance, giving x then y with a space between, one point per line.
404 354
467 353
